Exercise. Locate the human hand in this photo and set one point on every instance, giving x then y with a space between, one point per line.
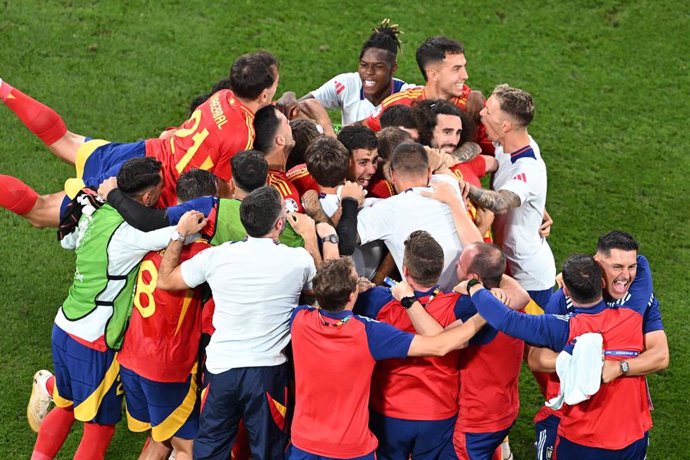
106 187
546 223
301 223
443 192
610 371
501 295
559 280
288 105
352 190
402 289
191 222
364 284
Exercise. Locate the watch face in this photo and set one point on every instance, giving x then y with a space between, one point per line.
332 239
408 301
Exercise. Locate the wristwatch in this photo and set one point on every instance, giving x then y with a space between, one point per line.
625 367
407 302
177 236
471 283
332 238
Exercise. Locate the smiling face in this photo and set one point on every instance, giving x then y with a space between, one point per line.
376 71
363 166
449 75
446 134
620 268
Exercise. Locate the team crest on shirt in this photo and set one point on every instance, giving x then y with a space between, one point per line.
291 205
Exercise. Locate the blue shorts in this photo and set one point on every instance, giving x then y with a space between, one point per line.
168 409
258 395
547 431
295 453
86 378
478 446
568 450
423 439
97 160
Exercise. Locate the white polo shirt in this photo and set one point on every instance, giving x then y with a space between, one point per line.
256 284
529 256
344 92
393 219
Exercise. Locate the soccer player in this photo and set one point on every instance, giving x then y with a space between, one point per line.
422 429
334 354
614 422
518 197
393 219
255 284
356 94
218 128
443 65
90 324
617 255
158 359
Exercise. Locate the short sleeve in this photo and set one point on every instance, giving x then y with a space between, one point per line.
195 270
386 341
519 183
559 304
296 311
327 94
652 317
202 204
371 302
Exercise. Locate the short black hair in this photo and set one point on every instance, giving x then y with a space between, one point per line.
196 183
328 161
388 139
252 73
244 68
398 115
260 210
385 37
249 170
334 283
355 137
583 278
435 49
266 124
616 240
303 132
410 159
423 257
138 174
488 263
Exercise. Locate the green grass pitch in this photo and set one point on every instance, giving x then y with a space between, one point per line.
610 81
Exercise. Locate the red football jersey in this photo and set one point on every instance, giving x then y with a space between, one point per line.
162 340
408 97
301 179
618 414
380 188
287 189
218 129
417 388
489 374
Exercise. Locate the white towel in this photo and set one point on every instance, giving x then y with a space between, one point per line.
580 373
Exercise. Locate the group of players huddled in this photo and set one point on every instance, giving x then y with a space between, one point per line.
194 250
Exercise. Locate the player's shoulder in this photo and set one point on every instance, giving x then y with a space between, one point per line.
297 172
406 97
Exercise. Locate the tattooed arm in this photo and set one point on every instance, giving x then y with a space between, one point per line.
498 202
467 151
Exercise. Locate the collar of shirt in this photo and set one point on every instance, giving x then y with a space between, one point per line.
420 294
266 241
342 314
593 310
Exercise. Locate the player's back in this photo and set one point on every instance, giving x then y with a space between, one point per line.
216 130
161 342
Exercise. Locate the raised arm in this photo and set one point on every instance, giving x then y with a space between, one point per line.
498 202
468 233
169 273
450 339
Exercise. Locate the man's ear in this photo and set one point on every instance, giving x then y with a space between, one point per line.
406 272
566 291
279 141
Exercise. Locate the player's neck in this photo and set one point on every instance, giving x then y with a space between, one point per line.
252 105
377 99
433 92
515 140
328 190
276 160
